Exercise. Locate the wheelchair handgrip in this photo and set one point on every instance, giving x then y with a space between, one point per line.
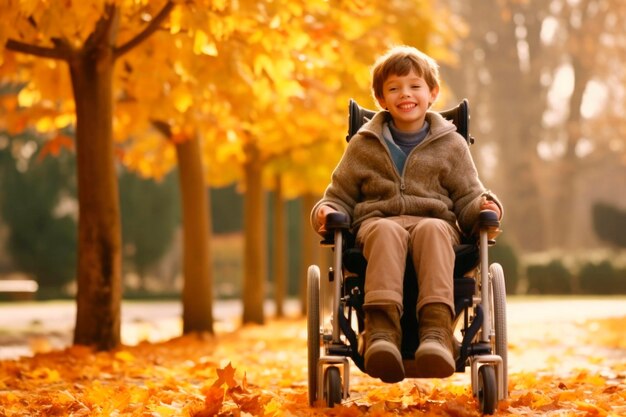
337 220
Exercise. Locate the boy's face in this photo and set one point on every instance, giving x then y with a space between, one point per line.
407 97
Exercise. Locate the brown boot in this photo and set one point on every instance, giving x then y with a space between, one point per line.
383 337
434 356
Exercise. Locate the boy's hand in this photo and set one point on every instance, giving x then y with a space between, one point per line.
322 212
490 205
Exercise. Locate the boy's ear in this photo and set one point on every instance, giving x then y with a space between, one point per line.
381 102
434 93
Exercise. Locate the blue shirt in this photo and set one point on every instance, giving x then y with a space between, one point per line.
400 144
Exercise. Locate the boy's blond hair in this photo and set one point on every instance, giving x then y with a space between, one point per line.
400 60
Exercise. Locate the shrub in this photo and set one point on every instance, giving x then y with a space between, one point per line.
602 278
551 278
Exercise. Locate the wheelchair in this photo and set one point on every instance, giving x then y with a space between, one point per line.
479 298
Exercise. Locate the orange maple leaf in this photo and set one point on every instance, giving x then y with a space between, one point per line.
226 376
214 397
249 402
54 146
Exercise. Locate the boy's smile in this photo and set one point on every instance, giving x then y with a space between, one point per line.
407 98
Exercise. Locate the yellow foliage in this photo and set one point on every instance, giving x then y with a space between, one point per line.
280 70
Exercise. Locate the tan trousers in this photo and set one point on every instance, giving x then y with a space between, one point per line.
386 243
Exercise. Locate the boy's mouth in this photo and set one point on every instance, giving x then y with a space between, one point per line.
407 106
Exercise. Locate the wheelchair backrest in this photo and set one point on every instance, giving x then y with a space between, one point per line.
458 115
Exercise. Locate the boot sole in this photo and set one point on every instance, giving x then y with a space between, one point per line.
383 360
433 362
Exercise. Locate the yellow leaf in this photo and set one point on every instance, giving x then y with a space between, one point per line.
182 99
203 45
124 356
44 375
164 410
263 63
28 97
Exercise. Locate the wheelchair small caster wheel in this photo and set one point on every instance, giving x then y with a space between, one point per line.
332 386
487 389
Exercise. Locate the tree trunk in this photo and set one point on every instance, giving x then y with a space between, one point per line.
569 168
255 254
280 249
516 102
99 231
197 265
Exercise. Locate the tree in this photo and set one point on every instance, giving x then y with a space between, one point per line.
535 72
594 48
197 292
89 43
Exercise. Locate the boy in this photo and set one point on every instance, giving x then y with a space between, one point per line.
409 184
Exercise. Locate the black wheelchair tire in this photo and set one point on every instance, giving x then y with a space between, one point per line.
487 389
332 386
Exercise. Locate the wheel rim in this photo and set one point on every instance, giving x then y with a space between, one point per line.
313 329
498 300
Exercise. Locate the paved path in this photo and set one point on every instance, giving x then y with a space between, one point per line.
39 326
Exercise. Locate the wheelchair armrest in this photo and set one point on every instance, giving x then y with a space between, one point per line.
488 220
335 221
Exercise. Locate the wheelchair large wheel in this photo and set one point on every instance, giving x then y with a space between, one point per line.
498 293
332 386
313 329
487 389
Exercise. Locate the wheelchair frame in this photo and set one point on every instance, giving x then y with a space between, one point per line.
484 338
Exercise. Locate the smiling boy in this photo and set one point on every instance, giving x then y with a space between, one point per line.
409 184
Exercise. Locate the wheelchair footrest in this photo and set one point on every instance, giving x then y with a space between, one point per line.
339 350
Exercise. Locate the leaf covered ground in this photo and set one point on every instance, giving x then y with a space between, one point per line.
576 369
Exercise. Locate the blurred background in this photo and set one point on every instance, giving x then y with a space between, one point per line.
546 82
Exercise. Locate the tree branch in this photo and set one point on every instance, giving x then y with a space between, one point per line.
148 30
162 127
40 51
104 27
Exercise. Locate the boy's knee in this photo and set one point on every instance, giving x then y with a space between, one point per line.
431 229
386 228
433 226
